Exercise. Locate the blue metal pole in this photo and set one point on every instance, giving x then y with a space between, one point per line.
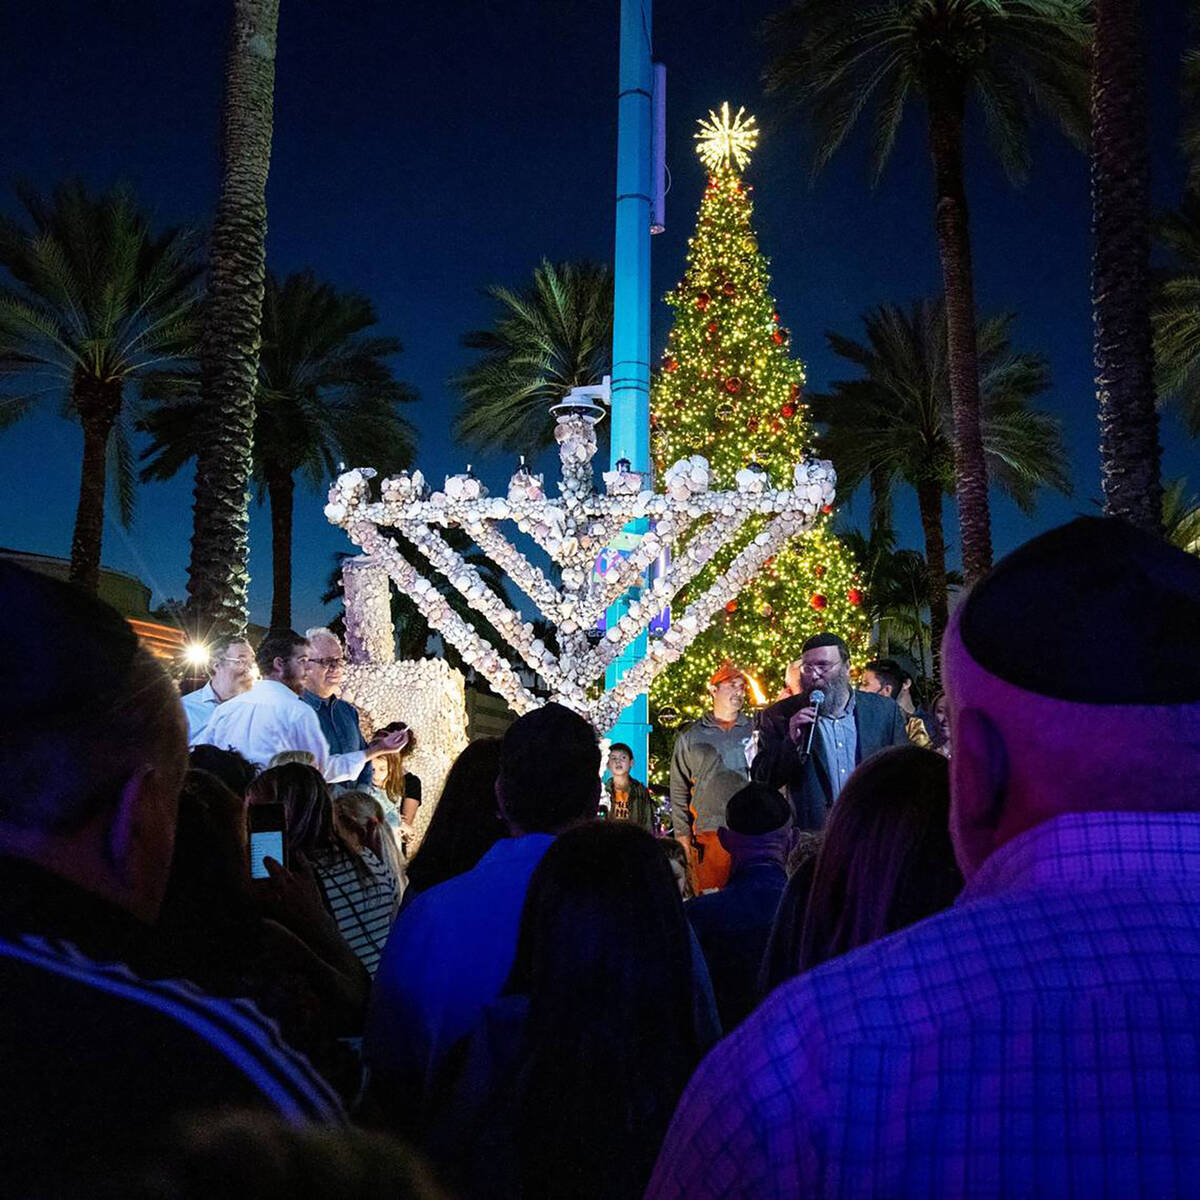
631 316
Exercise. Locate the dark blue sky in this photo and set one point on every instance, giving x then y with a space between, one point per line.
423 152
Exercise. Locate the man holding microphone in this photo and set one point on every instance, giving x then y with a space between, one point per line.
811 742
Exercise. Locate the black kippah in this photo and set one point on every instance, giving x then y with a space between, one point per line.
757 809
1096 612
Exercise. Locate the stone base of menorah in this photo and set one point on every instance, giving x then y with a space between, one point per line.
430 696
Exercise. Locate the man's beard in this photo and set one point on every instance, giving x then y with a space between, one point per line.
293 677
837 694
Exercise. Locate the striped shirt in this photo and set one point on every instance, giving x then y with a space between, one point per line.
363 903
98 1059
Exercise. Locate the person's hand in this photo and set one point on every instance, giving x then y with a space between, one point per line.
293 898
802 718
389 743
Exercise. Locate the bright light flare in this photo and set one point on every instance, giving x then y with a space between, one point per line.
196 654
755 689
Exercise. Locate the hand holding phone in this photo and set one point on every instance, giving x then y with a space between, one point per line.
266 825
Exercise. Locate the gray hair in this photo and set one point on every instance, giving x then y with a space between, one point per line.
320 631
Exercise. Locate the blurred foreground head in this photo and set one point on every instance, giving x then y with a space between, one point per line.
1073 672
549 771
94 748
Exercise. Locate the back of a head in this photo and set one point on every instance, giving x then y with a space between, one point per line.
549 770
307 805
886 860
466 820
756 810
1044 725
84 706
234 770
234 1154
604 956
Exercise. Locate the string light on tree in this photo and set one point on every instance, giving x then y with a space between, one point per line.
730 390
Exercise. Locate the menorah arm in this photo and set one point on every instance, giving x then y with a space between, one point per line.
434 607
699 614
516 566
467 581
694 558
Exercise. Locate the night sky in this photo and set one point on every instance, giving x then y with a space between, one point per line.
424 152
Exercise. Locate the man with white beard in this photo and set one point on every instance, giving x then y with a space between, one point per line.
849 727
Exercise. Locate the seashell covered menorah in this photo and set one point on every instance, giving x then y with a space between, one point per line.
686 518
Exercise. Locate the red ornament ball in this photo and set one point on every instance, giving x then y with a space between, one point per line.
703 300
854 596
827 509
776 425
752 425
819 571
777 338
788 410
731 607
733 385
729 288
712 327
817 601
775 317
670 365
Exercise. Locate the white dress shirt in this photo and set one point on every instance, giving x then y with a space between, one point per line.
271 718
198 707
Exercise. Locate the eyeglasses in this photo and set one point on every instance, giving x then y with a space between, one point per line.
328 663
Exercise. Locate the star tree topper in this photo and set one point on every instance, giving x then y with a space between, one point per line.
723 141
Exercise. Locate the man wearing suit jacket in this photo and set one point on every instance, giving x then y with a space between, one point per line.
850 727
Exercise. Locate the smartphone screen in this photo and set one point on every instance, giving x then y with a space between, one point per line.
266 829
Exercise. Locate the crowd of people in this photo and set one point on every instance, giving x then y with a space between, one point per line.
879 950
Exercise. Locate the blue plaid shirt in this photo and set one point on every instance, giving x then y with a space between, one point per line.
1040 1038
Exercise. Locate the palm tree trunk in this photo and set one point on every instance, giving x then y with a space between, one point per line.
929 501
1130 455
281 489
98 403
218 575
881 501
954 247
883 638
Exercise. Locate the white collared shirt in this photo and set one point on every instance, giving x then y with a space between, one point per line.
198 707
271 718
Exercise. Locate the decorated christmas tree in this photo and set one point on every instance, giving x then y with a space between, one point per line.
729 389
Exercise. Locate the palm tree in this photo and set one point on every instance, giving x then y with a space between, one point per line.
837 58
1176 312
1130 455
548 337
99 301
897 586
218 574
895 423
1181 517
325 393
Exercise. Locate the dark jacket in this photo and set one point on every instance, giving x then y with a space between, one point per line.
879 723
641 804
732 926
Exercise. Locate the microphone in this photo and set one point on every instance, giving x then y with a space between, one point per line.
815 699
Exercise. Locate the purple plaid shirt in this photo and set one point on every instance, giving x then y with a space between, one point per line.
1042 1037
